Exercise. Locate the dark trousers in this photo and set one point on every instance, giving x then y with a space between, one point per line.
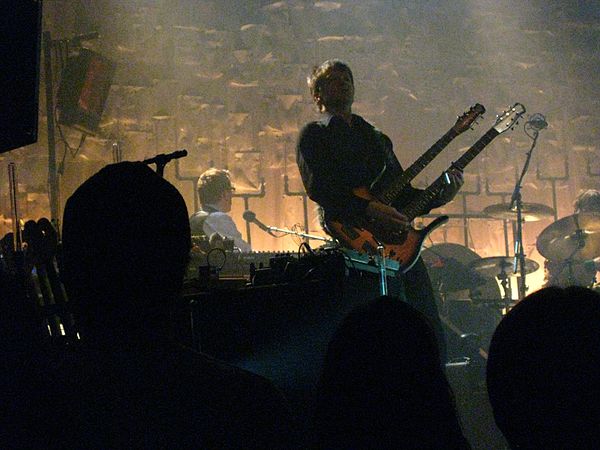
418 293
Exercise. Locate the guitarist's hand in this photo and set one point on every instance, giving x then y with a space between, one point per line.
386 215
454 182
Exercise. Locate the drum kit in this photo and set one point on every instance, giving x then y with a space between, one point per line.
572 242
475 292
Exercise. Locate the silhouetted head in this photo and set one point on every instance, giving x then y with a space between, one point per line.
543 370
126 243
382 381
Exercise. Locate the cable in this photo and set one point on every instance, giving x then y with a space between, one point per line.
306 246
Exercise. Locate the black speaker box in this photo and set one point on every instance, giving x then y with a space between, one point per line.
20 41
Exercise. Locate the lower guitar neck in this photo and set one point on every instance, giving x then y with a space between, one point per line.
420 205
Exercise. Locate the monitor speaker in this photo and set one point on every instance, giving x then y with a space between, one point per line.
84 87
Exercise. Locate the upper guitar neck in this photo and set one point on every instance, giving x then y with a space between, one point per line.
391 193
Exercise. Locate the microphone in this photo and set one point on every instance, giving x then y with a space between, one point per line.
537 122
250 216
164 158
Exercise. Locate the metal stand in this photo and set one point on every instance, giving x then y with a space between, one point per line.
304 236
383 287
117 152
516 200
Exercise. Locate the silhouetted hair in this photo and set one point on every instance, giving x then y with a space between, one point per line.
587 201
543 370
126 243
320 73
212 184
382 384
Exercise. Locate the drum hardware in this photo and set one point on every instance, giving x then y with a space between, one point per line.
571 272
570 244
574 268
447 265
531 212
496 266
575 237
502 194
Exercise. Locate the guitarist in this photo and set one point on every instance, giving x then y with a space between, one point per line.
341 152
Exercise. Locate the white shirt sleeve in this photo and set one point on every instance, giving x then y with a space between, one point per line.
221 223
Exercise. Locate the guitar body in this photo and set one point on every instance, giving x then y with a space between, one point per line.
403 246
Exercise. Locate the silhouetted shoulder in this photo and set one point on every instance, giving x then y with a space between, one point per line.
168 397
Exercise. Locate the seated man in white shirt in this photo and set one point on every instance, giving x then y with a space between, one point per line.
215 191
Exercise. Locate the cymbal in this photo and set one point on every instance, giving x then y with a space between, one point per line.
493 266
573 237
531 212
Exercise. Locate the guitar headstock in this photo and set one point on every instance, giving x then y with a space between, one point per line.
509 118
464 122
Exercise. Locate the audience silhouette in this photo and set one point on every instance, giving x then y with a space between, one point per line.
543 370
128 384
383 385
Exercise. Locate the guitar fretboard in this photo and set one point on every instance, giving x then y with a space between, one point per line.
391 193
420 205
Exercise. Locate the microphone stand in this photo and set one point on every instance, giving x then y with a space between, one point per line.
516 200
162 160
299 234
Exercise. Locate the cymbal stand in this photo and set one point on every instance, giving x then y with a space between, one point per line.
505 283
489 192
570 273
519 264
579 236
